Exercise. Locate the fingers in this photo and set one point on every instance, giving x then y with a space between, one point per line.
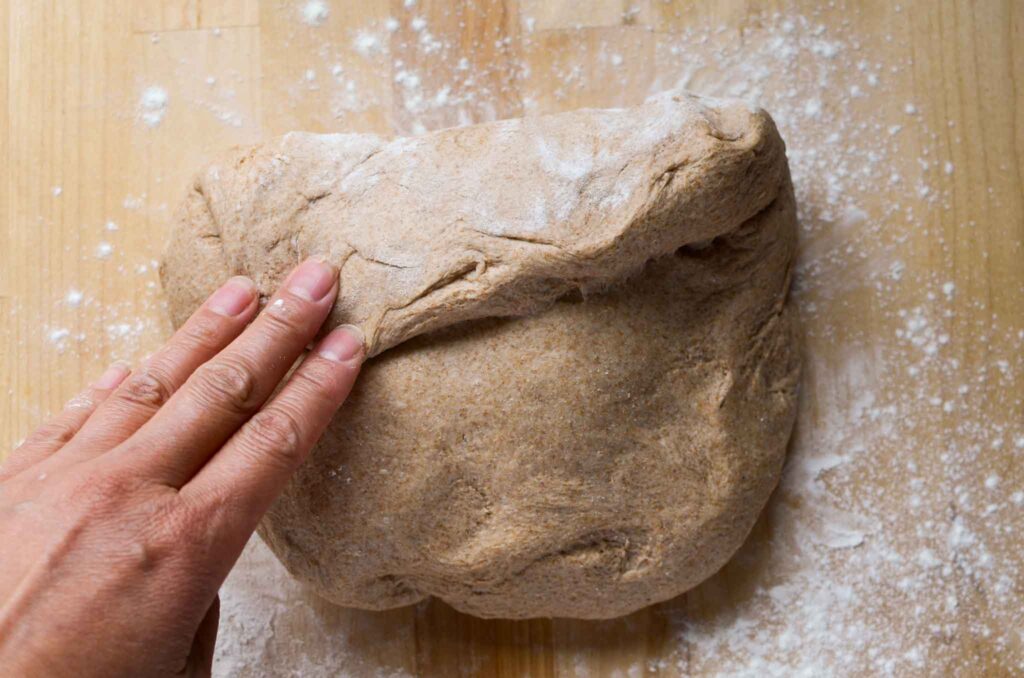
217 322
62 428
250 471
225 392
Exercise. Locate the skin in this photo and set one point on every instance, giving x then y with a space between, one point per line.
121 517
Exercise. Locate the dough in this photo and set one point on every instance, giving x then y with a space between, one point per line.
585 373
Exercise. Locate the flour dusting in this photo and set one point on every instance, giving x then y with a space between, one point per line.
889 539
861 575
315 12
153 105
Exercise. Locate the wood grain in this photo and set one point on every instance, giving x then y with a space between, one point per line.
79 158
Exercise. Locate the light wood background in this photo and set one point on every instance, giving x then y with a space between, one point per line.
78 156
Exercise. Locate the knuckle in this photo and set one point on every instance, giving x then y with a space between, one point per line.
97 490
213 508
287 315
203 331
149 389
313 382
228 383
178 530
276 434
60 432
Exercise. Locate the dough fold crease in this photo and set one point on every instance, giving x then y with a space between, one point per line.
497 219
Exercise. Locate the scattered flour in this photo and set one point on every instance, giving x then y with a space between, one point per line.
885 528
315 12
153 105
862 575
74 297
58 335
367 43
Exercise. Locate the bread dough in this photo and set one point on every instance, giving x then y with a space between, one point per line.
585 373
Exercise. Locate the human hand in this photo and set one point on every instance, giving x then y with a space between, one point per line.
121 517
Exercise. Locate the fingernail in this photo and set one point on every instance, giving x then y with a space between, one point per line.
312 280
342 344
233 297
113 377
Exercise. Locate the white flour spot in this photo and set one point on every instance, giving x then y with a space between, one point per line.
367 43
153 105
74 297
315 12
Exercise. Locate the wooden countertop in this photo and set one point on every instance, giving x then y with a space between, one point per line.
894 543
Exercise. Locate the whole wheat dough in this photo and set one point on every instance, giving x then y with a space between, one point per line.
585 372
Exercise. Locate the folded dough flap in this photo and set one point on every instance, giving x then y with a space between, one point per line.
494 219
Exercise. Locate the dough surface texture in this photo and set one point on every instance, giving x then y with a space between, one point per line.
585 367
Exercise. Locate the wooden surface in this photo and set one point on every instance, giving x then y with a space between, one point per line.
911 282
